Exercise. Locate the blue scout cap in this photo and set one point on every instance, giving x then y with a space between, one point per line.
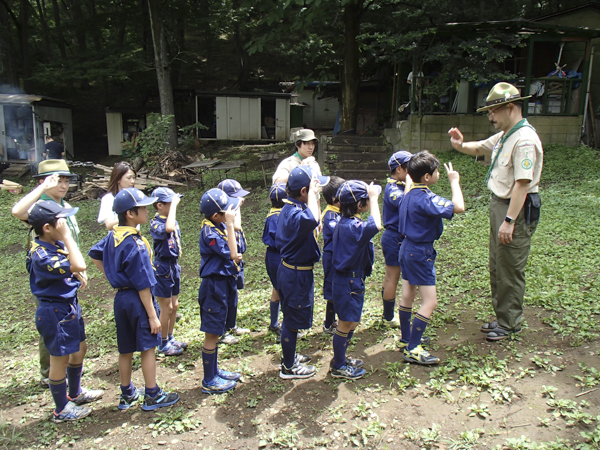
129 198
232 188
398 159
164 195
46 211
215 201
301 176
352 191
278 192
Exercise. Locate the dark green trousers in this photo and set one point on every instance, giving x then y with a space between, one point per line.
42 351
507 266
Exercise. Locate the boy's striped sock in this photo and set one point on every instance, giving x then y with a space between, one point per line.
405 315
329 314
340 343
208 362
418 328
274 314
388 307
74 377
288 345
58 388
216 363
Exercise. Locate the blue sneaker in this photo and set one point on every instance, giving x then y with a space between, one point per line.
231 376
169 349
348 372
70 413
162 400
178 344
87 396
218 386
126 402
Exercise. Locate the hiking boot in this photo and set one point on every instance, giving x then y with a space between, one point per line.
169 349
349 362
348 372
125 401
218 386
419 356
162 400
231 376
298 370
425 340
277 331
87 396
228 339
70 413
238 331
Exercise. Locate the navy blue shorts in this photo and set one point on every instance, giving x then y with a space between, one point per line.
348 297
133 326
168 279
215 296
390 245
327 275
297 297
61 326
418 263
272 261
240 281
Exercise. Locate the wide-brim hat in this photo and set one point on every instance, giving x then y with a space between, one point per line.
501 94
52 166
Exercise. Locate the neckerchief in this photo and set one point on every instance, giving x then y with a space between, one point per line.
274 211
120 233
331 208
298 155
69 221
394 181
421 186
520 124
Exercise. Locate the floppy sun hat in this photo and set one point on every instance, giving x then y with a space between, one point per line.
502 94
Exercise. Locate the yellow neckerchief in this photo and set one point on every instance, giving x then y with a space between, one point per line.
331 208
174 232
218 230
121 232
394 181
421 186
274 211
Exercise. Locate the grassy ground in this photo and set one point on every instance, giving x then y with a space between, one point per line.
520 394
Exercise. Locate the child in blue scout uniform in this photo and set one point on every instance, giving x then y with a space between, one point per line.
277 195
125 257
218 290
234 189
166 237
299 251
397 184
52 263
329 219
353 258
420 222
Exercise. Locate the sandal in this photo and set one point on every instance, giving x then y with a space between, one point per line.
487 327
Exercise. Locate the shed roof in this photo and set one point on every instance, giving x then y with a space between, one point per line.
27 99
242 94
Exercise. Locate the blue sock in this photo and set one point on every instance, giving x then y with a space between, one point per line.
388 308
74 378
164 341
216 363
418 328
127 391
208 362
329 314
274 314
288 345
170 337
58 388
405 315
152 392
340 343
350 334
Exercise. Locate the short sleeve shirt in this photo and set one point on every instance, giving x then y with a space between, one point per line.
285 167
214 251
270 229
352 246
421 213
295 234
393 194
331 217
521 158
166 245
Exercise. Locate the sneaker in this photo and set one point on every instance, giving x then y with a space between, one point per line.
218 386
390 323
228 339
277 331
178 344
45 382
420 356
349 362
162 399
238 331
87 396
231 376
329 331
425 340
178 317
298 370
70 413
302 333
348 372
125 402
301 359
169 349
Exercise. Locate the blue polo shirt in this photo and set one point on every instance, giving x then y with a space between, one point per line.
50 274
421 213
392 197
127 259
270 229
166 245
214 251
295 238
352 246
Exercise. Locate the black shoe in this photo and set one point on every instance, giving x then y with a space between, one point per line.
349 362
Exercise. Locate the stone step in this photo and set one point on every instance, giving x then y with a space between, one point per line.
342 148
361 174
351 165
354 156
357 140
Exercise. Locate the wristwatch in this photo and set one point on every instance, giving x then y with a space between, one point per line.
510 220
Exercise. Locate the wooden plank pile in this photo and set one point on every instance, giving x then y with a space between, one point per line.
13 188
16 169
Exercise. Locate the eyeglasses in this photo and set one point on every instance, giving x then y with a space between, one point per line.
491 112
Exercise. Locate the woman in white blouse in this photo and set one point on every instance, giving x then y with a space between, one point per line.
121 177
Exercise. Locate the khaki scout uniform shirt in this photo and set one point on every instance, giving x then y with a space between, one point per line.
521 159
285 167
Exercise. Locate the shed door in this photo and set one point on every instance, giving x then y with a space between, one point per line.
222 118
114 132
282 119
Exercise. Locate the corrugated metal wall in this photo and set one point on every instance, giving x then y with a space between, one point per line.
320 114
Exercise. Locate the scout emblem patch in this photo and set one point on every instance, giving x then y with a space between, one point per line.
527 164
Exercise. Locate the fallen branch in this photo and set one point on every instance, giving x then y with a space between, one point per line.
586 392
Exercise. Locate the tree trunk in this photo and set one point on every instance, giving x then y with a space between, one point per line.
59 33
351 71
45 31
8 58
24 39
161 61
